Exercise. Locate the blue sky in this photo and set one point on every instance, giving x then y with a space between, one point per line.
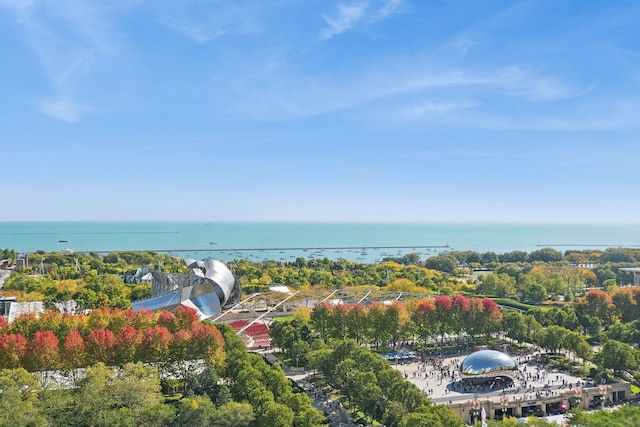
308 110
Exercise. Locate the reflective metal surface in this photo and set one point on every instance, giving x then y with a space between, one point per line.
208 286
488 364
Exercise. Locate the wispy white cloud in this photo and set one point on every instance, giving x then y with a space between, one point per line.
351 15
387 8
463 44
346 17
65 109
70 38
437 108
81 65
399 85
527 84
610 116
207 20
598 115
196 31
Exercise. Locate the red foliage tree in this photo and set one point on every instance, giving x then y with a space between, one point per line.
4 325
207 342
43 352
128 344
424 318
156 343
443 303
12 350
460 307
443 307
492 316
166 319
73 351
475 317
100 345
181 346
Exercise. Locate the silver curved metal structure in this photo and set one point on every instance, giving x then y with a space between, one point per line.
207 287
483 365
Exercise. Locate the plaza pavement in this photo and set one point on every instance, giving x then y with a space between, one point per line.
438 377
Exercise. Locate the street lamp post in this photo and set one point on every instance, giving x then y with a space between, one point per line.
578 393
476 406
603 391
504 401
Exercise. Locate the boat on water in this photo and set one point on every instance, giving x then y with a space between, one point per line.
66 250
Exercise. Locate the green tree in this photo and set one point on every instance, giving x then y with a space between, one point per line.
552 338
513 323
432 416
18 400
195 411
617 356
444 263
622 417
532 293
126 396
136 388
93 400
273 414
501 285
235 414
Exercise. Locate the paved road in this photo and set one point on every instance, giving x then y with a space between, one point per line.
4 275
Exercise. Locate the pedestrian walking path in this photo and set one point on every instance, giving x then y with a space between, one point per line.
336 413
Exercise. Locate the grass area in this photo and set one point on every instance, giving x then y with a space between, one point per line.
286 360
277 318
361 419
635 389
172 398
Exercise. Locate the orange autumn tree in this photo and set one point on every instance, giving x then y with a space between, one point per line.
12 350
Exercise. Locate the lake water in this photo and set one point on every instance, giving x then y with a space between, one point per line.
363 242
